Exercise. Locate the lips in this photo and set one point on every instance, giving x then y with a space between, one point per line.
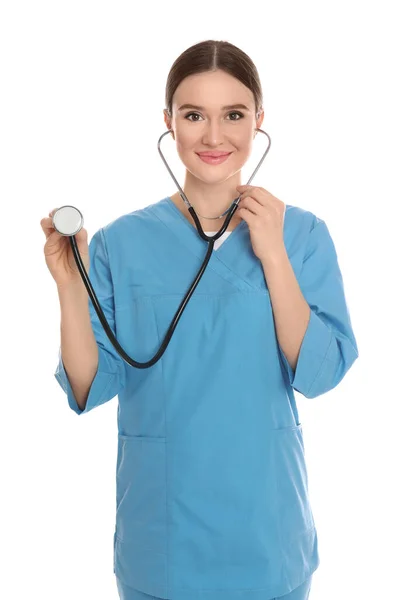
214 160
213 154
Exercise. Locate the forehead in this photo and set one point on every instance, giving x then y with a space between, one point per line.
212 89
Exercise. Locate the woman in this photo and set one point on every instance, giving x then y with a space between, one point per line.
212 493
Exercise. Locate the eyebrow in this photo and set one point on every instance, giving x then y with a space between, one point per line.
227 107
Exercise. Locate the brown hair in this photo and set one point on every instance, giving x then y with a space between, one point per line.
212 55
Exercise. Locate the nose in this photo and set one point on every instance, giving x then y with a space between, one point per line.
213 134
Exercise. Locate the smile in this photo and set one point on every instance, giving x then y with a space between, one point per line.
213 160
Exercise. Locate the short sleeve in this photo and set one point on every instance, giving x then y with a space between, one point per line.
329 347
110 374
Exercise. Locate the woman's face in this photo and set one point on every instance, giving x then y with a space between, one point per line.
215 123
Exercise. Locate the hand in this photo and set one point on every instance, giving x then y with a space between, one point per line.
265 216
58 253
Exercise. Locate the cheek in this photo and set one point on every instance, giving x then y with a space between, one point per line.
186 136
185 144
246 149
185 152
243 143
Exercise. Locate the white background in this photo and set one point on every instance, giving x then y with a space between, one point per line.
82 94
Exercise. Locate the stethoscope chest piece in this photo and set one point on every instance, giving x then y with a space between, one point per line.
68 220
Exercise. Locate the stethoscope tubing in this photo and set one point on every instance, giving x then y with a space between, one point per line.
105 324
183 304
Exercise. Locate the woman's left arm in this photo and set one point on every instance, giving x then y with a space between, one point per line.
291 312
312 321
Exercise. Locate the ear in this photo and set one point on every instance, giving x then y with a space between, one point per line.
167 120
260 118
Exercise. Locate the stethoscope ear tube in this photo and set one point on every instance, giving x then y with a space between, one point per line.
68 221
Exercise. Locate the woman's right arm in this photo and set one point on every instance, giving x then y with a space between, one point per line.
89 369
79 351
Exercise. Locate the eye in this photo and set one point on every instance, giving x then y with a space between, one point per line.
189 115
231 113
237 113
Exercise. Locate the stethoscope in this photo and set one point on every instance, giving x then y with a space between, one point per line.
68 221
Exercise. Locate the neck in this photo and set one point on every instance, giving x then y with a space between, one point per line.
210 201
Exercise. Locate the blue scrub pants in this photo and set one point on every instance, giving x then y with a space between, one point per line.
126 593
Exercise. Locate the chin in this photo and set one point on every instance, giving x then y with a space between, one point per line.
213 178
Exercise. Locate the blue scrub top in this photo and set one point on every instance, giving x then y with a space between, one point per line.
212 488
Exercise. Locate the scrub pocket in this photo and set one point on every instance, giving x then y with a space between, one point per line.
140 559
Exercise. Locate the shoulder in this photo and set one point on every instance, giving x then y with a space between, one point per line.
131 223
299 234
299 221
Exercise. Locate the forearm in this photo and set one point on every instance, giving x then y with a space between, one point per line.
79 350
291 312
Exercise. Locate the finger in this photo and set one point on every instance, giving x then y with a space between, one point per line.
250 195
244 194
47 226
253 206
247 215
46 223
257 195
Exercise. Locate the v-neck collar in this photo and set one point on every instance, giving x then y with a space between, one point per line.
193 229
227 261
